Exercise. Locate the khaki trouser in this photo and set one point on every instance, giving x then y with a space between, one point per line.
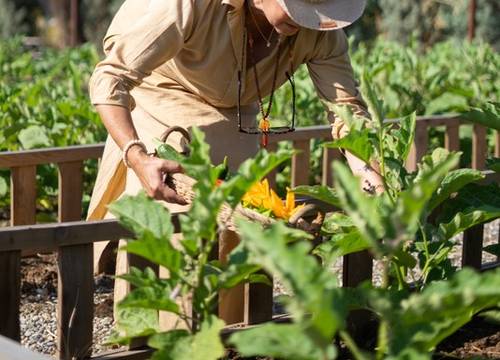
114 181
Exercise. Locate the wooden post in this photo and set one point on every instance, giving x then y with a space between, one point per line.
10 288
473 247
329 155
419 147
451 139
258 303
473 238
23 201
479 147
300 163
471 29
357 267
75 306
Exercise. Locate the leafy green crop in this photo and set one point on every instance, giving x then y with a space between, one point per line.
395 226
191 270
44 103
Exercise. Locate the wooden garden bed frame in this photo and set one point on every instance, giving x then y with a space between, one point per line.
73 239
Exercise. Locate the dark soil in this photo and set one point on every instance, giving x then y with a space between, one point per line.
477 339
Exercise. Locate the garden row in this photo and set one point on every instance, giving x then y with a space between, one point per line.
410 230
45 103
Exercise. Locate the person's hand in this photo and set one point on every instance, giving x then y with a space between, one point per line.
151 171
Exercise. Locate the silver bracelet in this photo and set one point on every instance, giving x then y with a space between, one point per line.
127 147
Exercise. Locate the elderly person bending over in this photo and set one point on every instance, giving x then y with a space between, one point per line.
209 63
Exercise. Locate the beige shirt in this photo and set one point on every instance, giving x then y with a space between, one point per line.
176 62
197 46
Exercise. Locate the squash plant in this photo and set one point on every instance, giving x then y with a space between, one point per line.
192 272
395 226
415 312
399 226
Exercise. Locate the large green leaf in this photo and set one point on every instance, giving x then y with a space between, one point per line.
34 137
167 152
405 135
363 209
473 205
340 245
140 214
279 341
179 345
375 105
488 116
412 202
452 182
150 298
447 102
132 323
157 250
323 193
426 318
336 222
300 273
356 142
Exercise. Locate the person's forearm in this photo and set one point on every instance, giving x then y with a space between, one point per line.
369 174
118 122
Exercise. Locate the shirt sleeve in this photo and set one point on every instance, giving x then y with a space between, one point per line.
154 37
331 72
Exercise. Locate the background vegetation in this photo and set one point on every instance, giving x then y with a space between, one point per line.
43 91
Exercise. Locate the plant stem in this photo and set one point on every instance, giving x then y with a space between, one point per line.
351 345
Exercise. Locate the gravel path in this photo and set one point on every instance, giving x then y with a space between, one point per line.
38 300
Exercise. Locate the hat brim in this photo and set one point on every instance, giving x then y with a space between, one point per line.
326 15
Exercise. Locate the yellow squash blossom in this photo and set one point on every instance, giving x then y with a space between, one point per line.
262 197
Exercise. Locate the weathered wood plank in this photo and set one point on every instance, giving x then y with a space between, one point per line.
23 195
23 198
70 191
52 236
75 303
356 268
10 159
419 147
479 147
300 163
10 288
451 138
303 134
329 155
472 250
258 303
75 307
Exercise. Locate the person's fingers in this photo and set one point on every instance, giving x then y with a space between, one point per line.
169 195
170 166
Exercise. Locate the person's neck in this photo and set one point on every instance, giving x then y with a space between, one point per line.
255 6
